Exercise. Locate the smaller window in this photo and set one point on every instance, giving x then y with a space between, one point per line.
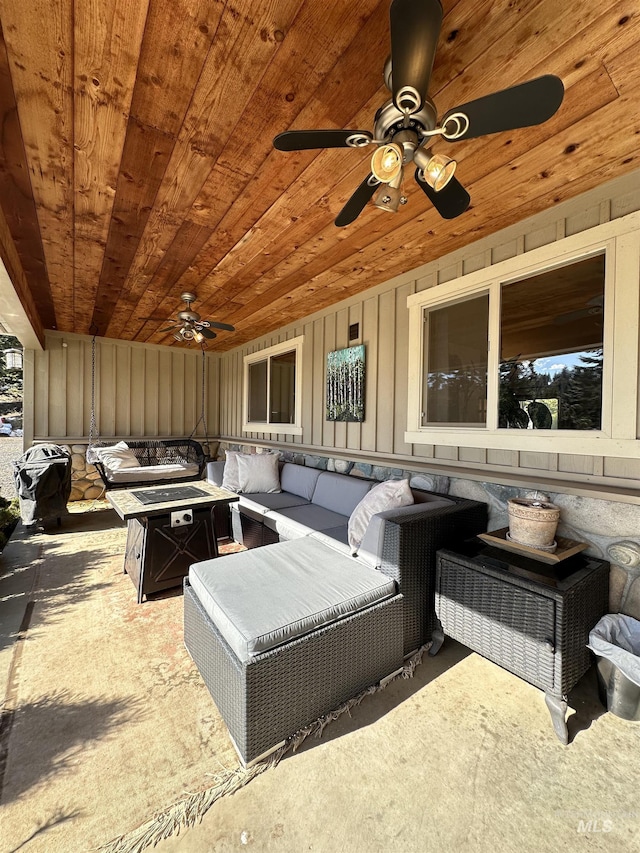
455 371
273 389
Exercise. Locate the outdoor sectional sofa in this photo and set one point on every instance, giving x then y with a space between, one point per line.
295 626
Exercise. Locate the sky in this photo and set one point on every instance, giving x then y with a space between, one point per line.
555 363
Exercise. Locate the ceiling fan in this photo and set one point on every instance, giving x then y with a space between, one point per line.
189 326
404 126
593 308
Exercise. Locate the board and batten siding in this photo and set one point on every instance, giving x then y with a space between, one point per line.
140 390
383 319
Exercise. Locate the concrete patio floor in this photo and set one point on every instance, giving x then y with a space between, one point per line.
462 757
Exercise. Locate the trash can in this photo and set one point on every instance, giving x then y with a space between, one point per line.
43 483
615 641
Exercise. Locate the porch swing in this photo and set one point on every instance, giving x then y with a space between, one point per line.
146 462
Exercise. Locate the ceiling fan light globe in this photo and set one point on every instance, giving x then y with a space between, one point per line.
177 336
198 337
386 162
187 334
439 171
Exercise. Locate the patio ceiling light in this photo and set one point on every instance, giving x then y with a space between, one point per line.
386 162
437 169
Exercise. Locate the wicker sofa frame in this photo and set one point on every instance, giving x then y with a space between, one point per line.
151 452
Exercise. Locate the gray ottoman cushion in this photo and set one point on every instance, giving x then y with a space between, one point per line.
260 599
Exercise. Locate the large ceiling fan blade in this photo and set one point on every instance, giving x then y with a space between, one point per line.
169 328
415 27
208 333
356 204
450 201
519 106
227 327
300 140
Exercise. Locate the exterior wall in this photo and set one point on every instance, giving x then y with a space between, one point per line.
141 391
598 496
383 317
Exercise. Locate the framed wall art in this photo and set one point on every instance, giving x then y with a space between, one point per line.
345 384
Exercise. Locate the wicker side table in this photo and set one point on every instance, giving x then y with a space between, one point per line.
529 617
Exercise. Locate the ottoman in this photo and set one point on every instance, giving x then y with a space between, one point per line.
284 634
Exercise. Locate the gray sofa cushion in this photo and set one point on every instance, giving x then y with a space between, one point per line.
298 480
262 503
336 537
339 492
294 522
262 598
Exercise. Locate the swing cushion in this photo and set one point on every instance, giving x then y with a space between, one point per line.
151 473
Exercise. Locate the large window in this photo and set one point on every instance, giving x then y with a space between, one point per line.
538 353
551 357
272 389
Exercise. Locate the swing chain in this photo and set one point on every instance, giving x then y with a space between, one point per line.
202 416
92 421
202 419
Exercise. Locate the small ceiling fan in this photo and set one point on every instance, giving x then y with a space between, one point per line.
189 326
404 126
593 308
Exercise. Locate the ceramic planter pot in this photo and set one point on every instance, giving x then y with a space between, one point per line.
533 522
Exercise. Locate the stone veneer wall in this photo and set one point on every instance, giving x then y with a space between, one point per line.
611 528
86 484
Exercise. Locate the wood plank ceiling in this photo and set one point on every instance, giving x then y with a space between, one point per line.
136 156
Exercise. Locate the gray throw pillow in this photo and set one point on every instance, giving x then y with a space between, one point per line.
258 473
387 495
230 476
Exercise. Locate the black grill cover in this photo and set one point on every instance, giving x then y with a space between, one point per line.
43 482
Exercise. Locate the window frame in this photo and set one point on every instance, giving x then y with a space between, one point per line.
295 344
619 240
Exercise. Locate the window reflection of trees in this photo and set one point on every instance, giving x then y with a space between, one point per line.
458 395
578 390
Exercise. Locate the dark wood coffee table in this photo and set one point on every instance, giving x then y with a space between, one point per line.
168 529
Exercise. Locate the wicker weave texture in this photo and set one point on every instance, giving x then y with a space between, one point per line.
409 557
276 693
537 632
160 452
250 532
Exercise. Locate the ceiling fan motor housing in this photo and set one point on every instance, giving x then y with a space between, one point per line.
389 124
